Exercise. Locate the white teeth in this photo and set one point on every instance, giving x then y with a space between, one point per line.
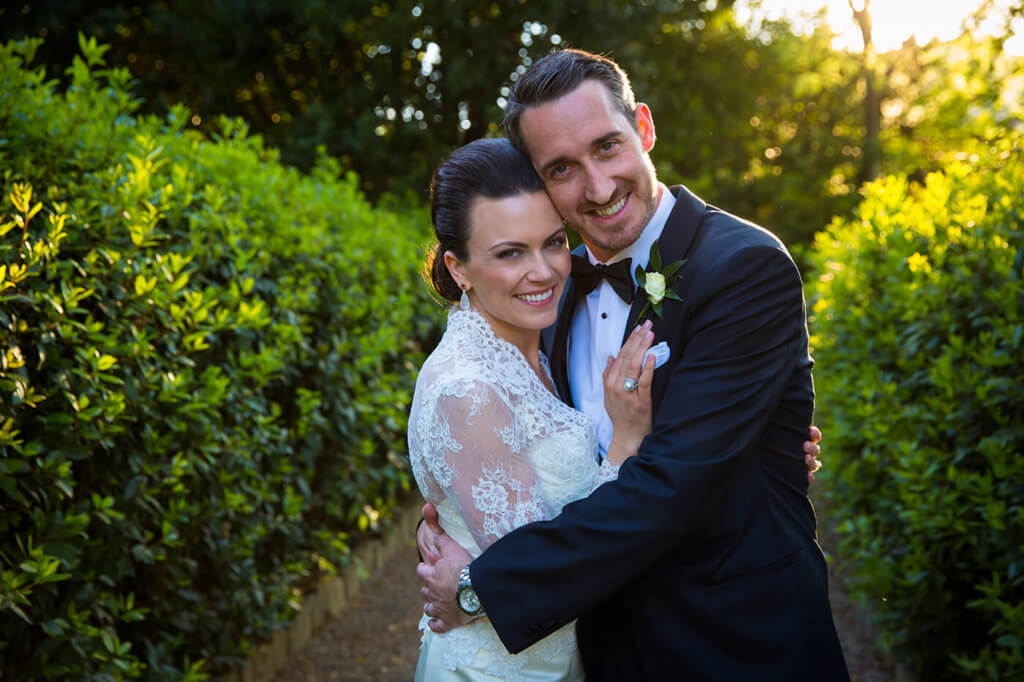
611 210
537 298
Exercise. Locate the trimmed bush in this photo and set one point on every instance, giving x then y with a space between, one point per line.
918 332
205 364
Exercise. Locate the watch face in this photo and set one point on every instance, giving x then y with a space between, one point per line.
469 602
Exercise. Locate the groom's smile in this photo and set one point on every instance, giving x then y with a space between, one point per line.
613 209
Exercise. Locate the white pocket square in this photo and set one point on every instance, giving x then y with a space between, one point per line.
659 352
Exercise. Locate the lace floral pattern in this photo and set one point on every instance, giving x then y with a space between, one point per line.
502 513
494 449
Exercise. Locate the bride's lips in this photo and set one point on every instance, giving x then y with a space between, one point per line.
539 298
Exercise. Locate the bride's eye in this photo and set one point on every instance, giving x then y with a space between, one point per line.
507 253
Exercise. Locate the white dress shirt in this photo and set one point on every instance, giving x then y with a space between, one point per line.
599 322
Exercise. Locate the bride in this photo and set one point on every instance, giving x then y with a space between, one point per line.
492 446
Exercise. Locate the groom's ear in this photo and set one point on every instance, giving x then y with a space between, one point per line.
645 126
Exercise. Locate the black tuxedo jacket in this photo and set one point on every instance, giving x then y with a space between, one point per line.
700 562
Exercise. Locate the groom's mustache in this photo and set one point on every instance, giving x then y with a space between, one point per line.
588 206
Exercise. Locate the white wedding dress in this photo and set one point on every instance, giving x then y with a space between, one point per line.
492 448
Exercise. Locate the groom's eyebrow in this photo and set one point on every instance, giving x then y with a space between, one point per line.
505 245
605 138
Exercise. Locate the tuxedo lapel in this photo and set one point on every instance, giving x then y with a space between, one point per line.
640 297
556 339
673 244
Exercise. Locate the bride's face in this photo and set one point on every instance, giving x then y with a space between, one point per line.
518 262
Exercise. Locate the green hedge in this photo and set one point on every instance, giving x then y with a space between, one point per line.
205 364
918 333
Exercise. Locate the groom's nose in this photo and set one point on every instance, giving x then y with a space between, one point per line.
598 186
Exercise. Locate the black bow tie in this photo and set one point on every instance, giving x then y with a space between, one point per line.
587 276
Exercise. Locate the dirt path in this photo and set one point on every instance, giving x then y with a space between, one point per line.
376 639
864 659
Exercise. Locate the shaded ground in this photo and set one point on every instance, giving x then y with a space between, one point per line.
864 660
376 639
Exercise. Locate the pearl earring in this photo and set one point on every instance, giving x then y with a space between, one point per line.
464 299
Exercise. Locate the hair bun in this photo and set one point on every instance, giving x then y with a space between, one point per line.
441 278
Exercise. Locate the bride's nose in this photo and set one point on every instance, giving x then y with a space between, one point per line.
541 269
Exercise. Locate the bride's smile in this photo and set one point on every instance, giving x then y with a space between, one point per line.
540 299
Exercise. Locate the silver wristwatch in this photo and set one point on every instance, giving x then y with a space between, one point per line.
465 595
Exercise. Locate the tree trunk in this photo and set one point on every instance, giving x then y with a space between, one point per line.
871 159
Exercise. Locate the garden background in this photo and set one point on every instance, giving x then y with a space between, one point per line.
211 311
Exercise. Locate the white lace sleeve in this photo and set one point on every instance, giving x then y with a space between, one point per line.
492 482
606 472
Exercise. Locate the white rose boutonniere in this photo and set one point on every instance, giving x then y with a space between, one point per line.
656 281
654 285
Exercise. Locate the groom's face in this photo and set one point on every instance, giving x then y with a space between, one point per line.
594 163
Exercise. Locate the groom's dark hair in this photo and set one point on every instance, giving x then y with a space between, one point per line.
558 74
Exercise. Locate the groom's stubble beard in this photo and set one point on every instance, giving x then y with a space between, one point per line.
650 205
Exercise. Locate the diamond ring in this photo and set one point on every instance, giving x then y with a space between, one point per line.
629 384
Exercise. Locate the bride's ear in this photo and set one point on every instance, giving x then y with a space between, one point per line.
456 269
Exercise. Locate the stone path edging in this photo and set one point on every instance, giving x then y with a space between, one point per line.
330 598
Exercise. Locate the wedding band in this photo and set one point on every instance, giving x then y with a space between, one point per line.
426 608
629 384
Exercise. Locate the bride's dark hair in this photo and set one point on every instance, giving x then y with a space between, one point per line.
488 167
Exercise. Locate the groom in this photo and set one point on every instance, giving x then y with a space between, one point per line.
700 561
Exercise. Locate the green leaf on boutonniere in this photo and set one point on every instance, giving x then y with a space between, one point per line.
673 268
640 276
654 261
